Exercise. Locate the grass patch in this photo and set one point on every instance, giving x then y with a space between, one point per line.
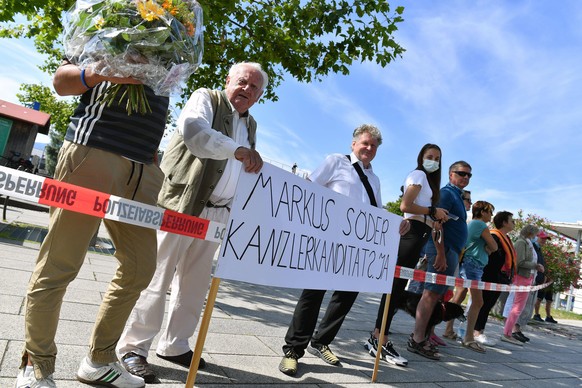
557 314
7 235
562 314
19 231
24 225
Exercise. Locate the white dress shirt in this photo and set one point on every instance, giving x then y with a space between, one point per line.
338 174
195 126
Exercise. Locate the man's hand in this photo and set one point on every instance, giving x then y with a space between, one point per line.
440 262
441 214
93 79
404 227
250 159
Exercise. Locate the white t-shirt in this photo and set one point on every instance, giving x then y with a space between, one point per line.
418 177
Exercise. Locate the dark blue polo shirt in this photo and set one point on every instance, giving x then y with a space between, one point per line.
455 232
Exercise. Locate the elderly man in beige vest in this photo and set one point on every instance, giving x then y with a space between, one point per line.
214 140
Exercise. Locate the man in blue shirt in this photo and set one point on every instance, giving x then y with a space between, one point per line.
454 236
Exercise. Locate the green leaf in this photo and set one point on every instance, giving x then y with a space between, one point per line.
303 39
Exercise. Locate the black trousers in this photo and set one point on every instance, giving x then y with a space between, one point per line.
409 249
301 329
489 300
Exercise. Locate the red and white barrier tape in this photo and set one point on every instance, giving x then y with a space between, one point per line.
428 277
47 191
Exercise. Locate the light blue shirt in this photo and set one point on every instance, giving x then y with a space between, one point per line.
475 246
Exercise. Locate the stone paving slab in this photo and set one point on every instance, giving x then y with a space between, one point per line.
243 346
574 366
477 384
10 304
480 371
543 370
415 372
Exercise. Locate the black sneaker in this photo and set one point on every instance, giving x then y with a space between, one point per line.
550 319
388 351
137 365
537 318
392 355
371 346
183 359
518 336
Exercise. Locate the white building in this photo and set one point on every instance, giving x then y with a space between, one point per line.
573 231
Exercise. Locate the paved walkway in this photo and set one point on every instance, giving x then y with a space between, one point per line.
243 346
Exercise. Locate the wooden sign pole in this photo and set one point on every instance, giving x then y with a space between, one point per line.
202 333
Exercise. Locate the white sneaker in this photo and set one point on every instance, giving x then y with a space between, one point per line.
392 355
110 375
26 379
484 340
388 352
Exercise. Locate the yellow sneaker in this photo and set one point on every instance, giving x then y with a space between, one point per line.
288 364
325 353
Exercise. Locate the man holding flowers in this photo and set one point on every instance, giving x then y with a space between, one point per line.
106 150
123 57
214 141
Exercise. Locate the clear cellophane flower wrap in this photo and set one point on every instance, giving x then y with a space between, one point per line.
158 42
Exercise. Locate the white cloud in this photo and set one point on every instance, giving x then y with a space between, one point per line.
19 66
335 101
280 143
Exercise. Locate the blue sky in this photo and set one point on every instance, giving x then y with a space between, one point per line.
495 83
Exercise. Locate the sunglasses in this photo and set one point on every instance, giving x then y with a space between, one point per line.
468 200
463 174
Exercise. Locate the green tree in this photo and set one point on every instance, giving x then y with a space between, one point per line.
60 111
306 39
562 266
394 207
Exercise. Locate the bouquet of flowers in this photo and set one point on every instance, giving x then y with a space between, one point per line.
158 42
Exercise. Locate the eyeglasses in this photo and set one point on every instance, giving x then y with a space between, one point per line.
468 200
463 174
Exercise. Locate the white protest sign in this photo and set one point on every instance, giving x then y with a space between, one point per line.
286 231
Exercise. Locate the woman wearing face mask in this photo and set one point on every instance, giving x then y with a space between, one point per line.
421 194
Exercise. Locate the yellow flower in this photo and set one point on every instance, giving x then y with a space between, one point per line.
99 22
150 10
168 6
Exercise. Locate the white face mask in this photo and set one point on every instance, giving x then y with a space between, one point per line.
430 165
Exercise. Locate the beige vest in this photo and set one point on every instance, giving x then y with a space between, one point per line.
189 180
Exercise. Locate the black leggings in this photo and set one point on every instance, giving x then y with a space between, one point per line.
409 249
489 300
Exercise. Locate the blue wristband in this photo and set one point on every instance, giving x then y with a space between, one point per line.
83 80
